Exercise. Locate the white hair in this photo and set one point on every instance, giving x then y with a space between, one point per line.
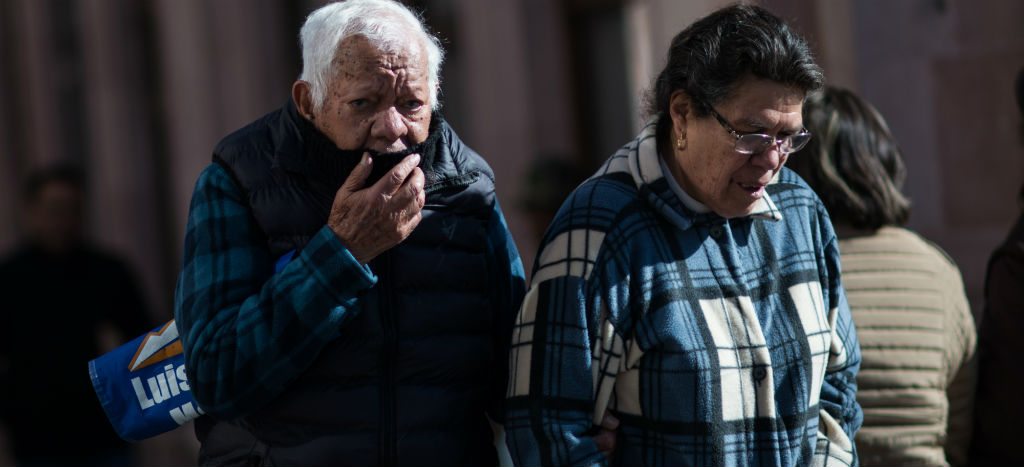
385 23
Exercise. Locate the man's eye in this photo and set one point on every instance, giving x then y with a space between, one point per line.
413 105
359 103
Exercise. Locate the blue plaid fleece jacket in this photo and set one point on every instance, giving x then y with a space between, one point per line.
715 342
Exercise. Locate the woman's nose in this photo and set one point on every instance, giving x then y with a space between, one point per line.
770 158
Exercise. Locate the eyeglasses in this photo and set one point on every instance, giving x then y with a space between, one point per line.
756 143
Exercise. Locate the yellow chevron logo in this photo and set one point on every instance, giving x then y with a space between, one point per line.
156 347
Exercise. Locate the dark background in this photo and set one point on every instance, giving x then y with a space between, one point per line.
139 91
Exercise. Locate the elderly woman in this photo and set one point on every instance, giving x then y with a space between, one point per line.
691 286
905 293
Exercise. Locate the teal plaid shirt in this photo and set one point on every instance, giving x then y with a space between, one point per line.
247 331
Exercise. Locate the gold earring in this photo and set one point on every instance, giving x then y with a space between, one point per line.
681 142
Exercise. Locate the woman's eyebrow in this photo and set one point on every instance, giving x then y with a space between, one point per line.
759 126
754 123
792 131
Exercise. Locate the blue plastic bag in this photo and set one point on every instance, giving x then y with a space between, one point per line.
142 385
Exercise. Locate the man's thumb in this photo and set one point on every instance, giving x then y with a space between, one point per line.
357 178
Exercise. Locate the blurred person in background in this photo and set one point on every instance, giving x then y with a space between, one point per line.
65 302
691 286
999 406
916 331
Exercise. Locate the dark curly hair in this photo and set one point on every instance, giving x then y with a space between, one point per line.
707 58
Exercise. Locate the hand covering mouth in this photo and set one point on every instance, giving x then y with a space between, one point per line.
383 162
327 163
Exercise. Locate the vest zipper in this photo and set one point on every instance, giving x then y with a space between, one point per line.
388 450
389 431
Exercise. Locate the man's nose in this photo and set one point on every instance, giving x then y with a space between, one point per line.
389 126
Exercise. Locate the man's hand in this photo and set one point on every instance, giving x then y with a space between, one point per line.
372 220
605 439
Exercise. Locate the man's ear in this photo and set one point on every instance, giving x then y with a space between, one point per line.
302 94
679 109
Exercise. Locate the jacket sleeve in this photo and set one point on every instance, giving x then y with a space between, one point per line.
840 416
248 332
507 295
554 390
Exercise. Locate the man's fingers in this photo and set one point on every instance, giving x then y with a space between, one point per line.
411 187
609 422
410 198
605 441
605 438
414 183
390 183
357 178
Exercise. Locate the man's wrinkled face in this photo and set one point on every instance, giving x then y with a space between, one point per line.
375 99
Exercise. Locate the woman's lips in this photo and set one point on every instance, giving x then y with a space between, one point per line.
754 189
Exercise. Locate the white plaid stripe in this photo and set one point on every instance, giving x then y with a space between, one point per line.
568 254
833 448
837 355
741 350
808 301
520 355
627 393
608 363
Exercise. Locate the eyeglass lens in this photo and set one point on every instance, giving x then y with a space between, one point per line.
758 143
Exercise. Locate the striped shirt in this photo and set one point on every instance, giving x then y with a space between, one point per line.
714 341
917 337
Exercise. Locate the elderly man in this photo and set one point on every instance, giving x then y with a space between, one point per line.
333 318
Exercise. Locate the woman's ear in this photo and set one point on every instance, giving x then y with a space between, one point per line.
303 97
679 110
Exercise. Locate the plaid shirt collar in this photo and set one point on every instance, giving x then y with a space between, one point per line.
645 168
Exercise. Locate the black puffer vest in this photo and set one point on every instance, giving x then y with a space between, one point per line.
408 379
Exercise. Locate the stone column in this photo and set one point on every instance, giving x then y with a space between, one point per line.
37 73
497 102
189 97
9 153
123 208
650 27
224 64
